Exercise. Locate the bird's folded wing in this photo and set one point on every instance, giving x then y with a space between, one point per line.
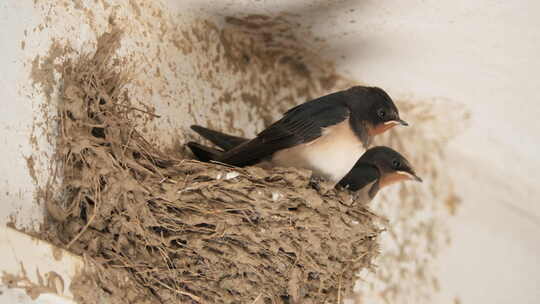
299 125
222 140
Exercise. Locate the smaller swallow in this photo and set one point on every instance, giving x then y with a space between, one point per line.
378 167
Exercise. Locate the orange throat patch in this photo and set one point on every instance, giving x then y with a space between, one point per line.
389 179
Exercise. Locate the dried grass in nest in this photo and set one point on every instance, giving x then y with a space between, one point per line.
189 231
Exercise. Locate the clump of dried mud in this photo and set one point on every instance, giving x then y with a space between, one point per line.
189 231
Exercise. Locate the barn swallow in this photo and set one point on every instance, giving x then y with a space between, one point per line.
378 167
326 135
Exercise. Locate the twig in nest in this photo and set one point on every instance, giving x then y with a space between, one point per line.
257 298
82 230
140 110
223 164
339 289
87 223
194 297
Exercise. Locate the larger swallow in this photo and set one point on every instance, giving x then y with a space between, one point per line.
326 135
377 168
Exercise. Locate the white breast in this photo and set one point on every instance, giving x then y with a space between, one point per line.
331 156
362 195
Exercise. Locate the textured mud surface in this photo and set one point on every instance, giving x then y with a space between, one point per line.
187 230
234 74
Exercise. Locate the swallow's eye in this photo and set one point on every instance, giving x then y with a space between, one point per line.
381 113
396 164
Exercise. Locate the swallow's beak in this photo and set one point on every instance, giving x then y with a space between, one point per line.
396 122
410 175
402 122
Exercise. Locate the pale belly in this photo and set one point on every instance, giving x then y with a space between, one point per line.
362 195
331 156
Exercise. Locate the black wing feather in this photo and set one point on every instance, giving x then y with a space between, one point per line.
222 140
204 153
299 125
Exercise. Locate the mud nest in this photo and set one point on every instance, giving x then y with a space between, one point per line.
188 231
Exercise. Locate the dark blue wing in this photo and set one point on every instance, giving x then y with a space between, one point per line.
299 125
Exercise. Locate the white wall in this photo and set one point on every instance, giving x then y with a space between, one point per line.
483 54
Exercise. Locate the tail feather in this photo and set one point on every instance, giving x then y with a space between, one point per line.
204 153
222 140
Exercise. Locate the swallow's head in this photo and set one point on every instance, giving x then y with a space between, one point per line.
376 109
393 167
